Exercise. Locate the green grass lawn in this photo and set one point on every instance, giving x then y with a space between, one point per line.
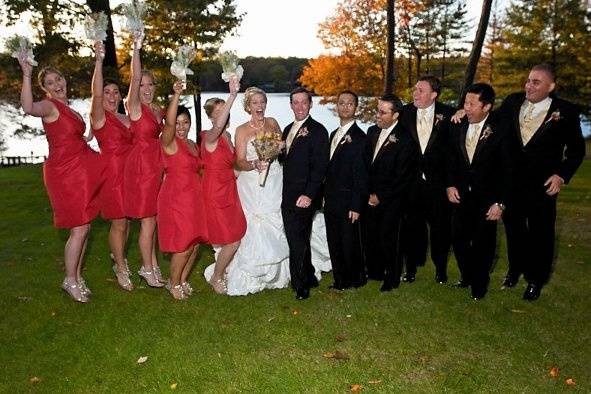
422 337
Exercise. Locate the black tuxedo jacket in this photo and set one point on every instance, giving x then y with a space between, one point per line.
545 153
392 171
304 167
346 185
431 163
488 177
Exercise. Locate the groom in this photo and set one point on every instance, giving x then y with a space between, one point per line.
304 166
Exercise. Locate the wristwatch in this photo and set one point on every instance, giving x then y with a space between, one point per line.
500 205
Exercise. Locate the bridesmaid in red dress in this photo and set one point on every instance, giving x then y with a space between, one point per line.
72 172
226 222
181 209
111 130
143 169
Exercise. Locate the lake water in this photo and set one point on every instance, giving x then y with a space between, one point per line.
277 107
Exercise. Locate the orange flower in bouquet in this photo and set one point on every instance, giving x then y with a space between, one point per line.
268 145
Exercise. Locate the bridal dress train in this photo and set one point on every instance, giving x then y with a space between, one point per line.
262 260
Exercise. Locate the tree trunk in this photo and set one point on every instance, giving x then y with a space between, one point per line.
110 50
390 77
476 49
409 67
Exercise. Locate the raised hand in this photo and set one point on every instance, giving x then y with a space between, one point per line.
99 51
178 87
234 85
138 39
25 66
457 117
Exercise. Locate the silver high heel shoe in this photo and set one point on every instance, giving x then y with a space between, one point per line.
187 288
158 274
176 292
149 277
83 288
71 287
123 279
219 286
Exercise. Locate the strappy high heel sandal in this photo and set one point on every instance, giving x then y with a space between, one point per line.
219 286
83 288
175 291
123 279
158 274
72 287
112 256
149 277
187 288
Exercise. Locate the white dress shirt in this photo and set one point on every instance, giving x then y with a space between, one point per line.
382 138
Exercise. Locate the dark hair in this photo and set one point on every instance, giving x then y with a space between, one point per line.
111 81
485 92
183 110
394 101
547 68
352 93
300 90
433 81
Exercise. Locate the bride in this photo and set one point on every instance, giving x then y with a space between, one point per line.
262 260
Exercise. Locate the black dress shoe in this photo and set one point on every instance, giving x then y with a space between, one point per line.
510 281
389 286
313 282
359 283
441 278
408 278
462 284
375 277
478 294
532 292
302 294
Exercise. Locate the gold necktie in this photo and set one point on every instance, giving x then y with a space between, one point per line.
291 136
335 141
423 129
526 125
472 141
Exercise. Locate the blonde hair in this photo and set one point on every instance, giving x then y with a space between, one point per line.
46 71
249 94
210 104
149 73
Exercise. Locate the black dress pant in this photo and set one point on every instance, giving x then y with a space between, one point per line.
382 244
298 228
428 221
344 246
474 242
530 221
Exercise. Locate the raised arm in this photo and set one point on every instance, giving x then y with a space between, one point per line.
41 109
134 104
168 131
97 112
219 123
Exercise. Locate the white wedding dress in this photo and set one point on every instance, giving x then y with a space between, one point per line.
262 260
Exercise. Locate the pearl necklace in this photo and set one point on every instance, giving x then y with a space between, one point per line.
255 127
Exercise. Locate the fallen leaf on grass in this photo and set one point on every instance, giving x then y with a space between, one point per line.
53 313
570 382
340 338
338 355
24 298
554 372
355 388
374 381
142 359
348 315
296 312
173 386
517 311
580 262
270 319
110 280
35 379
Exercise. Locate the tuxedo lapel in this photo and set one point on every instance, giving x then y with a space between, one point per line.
413 125
462 142
482 140
386 142
515 116
297 137
434 129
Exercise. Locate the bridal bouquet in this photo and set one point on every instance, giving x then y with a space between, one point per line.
20 47
134 16
180 65
268 145
95 26
230 66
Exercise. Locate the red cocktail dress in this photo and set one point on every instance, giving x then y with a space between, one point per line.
143 168
225 219
72 172
115 140
181 209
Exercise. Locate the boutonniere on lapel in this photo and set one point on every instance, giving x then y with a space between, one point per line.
439 118
554 116
487 132
392 139
302 132
346 139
